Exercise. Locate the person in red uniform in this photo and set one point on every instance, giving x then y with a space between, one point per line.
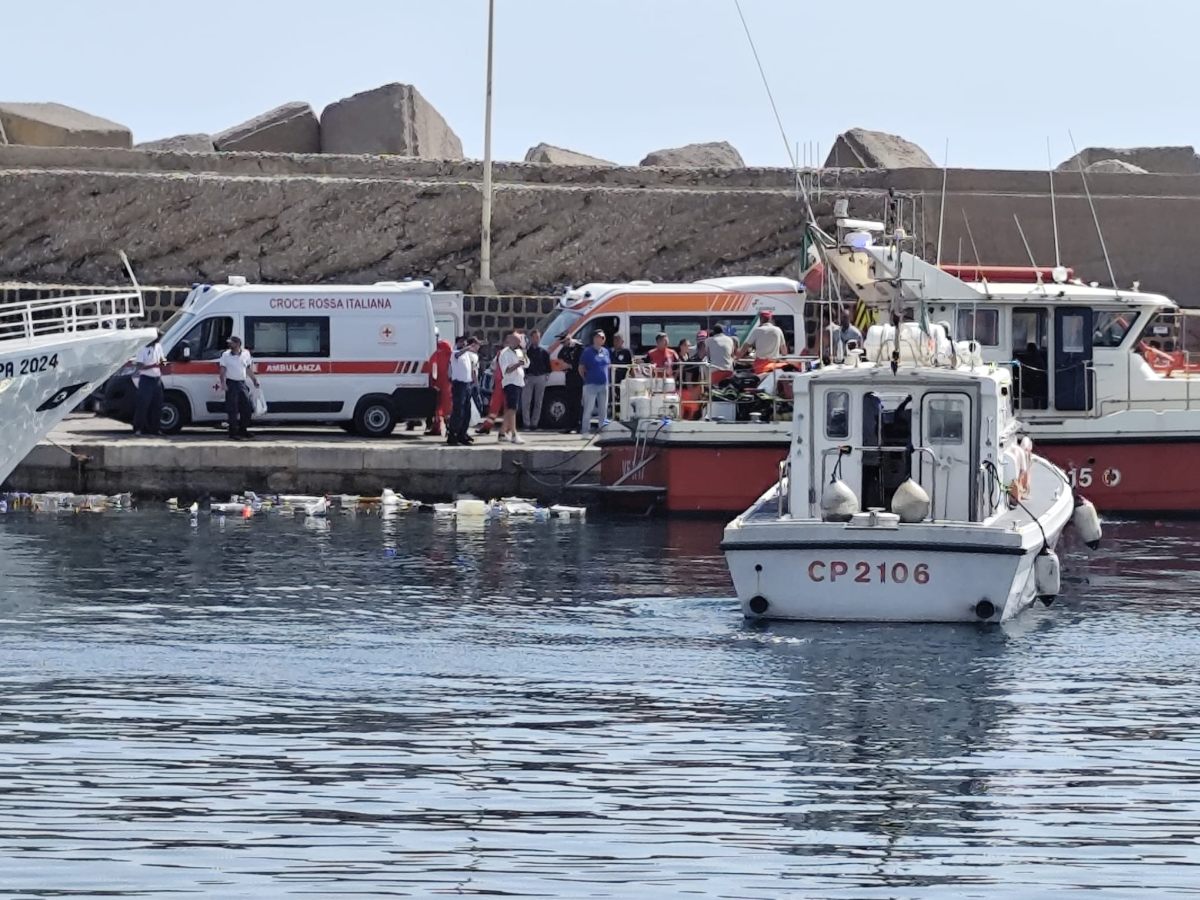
441 380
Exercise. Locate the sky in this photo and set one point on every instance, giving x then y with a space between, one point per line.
620 78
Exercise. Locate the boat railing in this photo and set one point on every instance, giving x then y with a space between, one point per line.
34 319
698 386
846 449
781 486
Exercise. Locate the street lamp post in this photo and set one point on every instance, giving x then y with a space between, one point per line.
484 284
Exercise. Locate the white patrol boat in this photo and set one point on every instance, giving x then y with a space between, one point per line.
909 494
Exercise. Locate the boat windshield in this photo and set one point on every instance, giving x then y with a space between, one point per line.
557 322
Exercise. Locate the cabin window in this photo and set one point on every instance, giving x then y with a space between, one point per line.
837 415
287 336
982 325
207 339
1111 328
947 421
1072 334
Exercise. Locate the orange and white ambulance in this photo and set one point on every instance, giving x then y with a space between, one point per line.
354 355
640 310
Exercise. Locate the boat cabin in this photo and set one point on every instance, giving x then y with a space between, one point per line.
950 429
1076 350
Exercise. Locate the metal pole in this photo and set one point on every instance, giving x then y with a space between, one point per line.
484 284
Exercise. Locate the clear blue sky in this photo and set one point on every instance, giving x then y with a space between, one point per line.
618 78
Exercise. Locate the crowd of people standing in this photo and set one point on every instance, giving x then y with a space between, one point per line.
515 382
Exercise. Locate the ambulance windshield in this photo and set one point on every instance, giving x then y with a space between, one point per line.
557 322
179 321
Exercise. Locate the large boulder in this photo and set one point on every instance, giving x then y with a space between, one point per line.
291 128
188 143
558 156
55 125
1115 167
715 155
859 148
1163 160
392 119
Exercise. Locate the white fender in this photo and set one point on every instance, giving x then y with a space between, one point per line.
838 502
1087 521
910 502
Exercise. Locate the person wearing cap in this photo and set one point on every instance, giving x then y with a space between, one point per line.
236 372
594 364
767 342
148 403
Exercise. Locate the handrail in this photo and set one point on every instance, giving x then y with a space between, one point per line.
68 315
693 382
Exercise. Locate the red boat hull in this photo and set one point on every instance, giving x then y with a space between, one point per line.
699 478
1128 476
1131 476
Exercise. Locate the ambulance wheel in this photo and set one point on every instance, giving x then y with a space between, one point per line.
174 413
554 409
374 417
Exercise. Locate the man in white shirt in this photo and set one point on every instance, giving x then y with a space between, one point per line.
148 403
236 370
464 374
766 340
512 371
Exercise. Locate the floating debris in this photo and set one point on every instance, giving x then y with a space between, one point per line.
64 501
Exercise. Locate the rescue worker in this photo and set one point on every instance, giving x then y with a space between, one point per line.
441 376
766 341
464 372
148 403
236 368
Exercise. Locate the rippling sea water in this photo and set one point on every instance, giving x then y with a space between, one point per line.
413 708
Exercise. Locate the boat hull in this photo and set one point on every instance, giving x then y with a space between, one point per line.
1131 475
807 569
1135 475
42 380
900 582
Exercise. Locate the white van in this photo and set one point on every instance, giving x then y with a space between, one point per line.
355 355
640 310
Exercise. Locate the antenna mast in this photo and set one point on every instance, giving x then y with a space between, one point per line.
942 209
775 109
1095 218
1053 205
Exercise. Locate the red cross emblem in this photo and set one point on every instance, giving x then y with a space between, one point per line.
386 332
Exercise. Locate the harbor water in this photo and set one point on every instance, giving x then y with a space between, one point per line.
411 706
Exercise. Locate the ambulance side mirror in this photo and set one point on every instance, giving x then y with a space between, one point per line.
181 353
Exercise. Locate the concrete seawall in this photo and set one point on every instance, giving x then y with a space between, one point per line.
275 217
201 464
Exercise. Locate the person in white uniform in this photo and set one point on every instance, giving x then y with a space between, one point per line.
236 369
148 402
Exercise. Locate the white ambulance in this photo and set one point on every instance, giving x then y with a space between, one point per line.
640 310
359 356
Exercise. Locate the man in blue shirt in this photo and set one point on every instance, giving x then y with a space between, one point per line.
593 368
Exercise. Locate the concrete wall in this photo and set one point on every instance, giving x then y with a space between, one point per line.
200 217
